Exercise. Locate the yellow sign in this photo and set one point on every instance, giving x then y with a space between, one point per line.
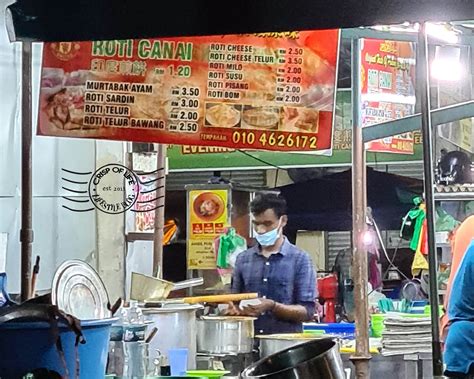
201 254
208 213
208 218
467 134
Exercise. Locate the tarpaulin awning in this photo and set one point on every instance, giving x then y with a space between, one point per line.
81 20
326 203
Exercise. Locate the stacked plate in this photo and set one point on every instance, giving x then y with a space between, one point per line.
78 290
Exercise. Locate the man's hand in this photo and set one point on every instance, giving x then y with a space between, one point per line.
258 309
232 310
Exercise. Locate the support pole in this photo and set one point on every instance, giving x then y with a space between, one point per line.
159 212
424 93
359 225
26 232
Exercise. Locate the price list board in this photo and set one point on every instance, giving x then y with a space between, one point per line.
271 91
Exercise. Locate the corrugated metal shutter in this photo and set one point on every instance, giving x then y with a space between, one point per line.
412 170
336 241
252 178
392 240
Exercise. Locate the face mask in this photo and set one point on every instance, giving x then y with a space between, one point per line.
269 238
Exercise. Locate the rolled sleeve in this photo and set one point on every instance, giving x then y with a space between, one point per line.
237 285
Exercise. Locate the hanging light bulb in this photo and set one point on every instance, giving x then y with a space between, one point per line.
367 238
442 32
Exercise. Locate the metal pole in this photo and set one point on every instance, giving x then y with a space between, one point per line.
159 212
424 93
359 256
26 232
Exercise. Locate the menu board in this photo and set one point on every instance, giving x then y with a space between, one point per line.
208 217
272 91
388 90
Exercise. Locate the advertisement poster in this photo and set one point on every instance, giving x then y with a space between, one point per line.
459 133
146 204
208 216
388 90
270 91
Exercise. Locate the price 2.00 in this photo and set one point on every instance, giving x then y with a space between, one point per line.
292 89
188 115
295 99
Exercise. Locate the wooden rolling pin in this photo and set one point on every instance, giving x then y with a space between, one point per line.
219 298
209 299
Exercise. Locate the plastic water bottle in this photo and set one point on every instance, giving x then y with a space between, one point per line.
134 314
134 349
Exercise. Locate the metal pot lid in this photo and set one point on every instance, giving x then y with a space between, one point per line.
228 318
78 290
289 336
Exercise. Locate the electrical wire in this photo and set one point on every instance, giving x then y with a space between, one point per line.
262 160
390 261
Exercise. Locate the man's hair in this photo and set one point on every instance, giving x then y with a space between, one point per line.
268 200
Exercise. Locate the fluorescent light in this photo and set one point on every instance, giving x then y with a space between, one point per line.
406 27
446 70
446 65
442 33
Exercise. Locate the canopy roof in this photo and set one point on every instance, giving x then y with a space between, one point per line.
59 20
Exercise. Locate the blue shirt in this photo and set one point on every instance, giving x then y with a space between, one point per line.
459 348
287 277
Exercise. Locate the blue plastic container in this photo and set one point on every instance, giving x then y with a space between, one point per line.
346 330
25 346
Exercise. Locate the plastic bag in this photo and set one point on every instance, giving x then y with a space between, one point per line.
230 245
444 221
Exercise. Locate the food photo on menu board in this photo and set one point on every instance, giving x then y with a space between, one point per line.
272 91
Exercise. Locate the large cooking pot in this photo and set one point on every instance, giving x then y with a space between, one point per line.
273 343
176 329
318 359
225 334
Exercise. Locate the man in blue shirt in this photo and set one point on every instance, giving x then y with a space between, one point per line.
282 275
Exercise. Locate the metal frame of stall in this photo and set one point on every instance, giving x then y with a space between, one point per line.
426 120
34 26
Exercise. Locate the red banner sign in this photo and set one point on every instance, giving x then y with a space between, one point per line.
272 91
388 89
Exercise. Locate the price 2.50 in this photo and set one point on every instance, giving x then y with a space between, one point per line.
190 127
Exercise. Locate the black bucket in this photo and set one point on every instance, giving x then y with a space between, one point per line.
317 359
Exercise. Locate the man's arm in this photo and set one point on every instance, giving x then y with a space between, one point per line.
305 294
297 312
